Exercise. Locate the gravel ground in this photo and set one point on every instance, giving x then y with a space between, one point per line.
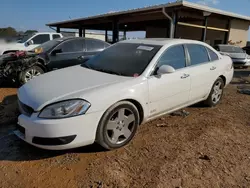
208 148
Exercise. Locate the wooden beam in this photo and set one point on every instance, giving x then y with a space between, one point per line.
124 35
115 33
80 32
204 32
217 29
202 27
191 25
83 32
106 35
176 22
227 33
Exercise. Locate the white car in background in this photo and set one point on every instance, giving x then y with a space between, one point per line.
28 42
108 97
239 57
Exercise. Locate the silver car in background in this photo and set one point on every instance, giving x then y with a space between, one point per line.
240 58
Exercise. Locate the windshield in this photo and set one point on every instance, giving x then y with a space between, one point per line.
231 49
48 45
126 59
25 38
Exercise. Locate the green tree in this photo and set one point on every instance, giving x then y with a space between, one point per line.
8 32
30 32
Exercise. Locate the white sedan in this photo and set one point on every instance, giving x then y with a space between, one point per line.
108 97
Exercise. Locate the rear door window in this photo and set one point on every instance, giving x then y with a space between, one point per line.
198 54
94 45
71 46
213 55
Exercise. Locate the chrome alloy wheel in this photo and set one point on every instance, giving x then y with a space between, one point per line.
120 126
217 92
30 74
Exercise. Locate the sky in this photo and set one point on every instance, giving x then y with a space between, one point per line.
31 14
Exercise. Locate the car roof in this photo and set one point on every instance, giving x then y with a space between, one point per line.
78 38
46 33
162 41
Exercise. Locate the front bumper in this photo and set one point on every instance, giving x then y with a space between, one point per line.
58 134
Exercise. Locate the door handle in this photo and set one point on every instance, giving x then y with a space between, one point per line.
213 68
185 76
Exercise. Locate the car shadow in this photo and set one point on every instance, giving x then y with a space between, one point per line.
9 84
240 82
239 73
241 77
15 149
198 105
9 110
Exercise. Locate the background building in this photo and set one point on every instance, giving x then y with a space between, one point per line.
179 19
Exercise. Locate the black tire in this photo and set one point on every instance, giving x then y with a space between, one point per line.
1 81
209 101
102 136
22 76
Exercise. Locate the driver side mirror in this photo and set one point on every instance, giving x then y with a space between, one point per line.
165 69
56 51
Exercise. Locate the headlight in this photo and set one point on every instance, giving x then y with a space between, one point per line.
65 109
248 57
38 50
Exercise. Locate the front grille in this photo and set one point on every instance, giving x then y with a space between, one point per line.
24 109
239 59
239 63
53 141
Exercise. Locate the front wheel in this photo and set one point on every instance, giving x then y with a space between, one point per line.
29 74
215 93
1 81
118 125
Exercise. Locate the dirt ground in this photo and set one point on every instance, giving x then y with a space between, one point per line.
208 148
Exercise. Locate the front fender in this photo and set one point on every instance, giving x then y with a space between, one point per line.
103 99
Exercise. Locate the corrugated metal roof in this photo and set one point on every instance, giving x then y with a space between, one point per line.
214 10
153 7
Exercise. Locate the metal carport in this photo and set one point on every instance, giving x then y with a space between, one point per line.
171 20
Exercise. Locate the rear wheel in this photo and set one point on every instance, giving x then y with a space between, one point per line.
1 81
118 125
29 74
215 93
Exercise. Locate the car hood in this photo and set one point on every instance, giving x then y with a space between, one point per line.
11 46
237 55
63 84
